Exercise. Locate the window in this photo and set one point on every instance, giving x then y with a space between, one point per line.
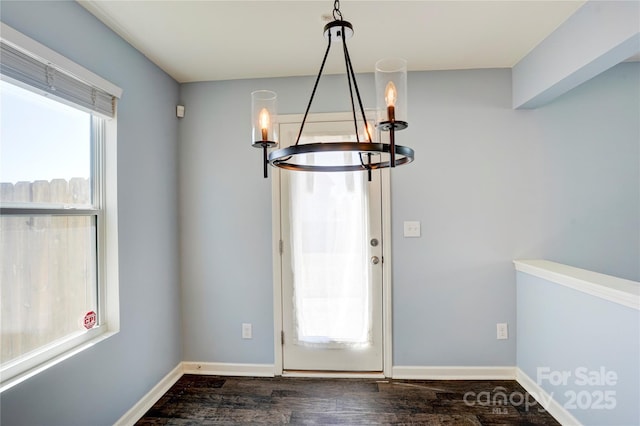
58 222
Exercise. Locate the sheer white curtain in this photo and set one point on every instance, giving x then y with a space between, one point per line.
329 232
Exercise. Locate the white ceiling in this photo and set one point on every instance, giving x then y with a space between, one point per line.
223 40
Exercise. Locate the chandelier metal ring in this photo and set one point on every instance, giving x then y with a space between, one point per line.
281 157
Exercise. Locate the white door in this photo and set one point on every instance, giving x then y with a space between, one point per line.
331 233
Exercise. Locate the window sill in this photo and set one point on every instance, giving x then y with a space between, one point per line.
14 379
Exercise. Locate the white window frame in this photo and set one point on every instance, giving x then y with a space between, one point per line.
105 191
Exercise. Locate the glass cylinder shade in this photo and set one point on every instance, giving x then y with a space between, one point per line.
264 118
391 90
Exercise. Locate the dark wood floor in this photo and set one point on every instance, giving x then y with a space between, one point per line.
196 400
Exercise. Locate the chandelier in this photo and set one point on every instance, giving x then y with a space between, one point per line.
367 152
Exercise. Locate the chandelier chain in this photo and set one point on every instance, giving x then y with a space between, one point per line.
337 15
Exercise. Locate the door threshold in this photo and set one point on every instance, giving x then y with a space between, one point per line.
334 374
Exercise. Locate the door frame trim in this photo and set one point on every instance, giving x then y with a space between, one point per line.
276 221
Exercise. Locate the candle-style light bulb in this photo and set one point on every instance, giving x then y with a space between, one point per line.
368 131
264 123
390 97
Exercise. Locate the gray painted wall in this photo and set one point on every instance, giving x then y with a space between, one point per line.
492 184
564 331
489 185
99 385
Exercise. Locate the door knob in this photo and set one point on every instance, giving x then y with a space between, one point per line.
375 260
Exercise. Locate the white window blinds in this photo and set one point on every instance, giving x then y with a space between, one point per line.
49 78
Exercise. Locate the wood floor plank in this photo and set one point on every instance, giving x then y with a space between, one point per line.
247 416
386 405
204 400
306 404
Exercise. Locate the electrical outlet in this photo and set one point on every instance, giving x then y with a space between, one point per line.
246 331
503 331
411 229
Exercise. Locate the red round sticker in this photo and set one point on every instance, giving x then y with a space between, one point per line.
90 320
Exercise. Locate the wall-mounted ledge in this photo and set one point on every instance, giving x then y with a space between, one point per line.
613 289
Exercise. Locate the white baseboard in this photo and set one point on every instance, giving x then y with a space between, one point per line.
453 373
229 369
137 411
333 374
545 399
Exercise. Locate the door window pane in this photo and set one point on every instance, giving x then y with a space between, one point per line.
329 229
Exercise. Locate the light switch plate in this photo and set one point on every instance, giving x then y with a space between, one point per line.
502 331
411 229
247 332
